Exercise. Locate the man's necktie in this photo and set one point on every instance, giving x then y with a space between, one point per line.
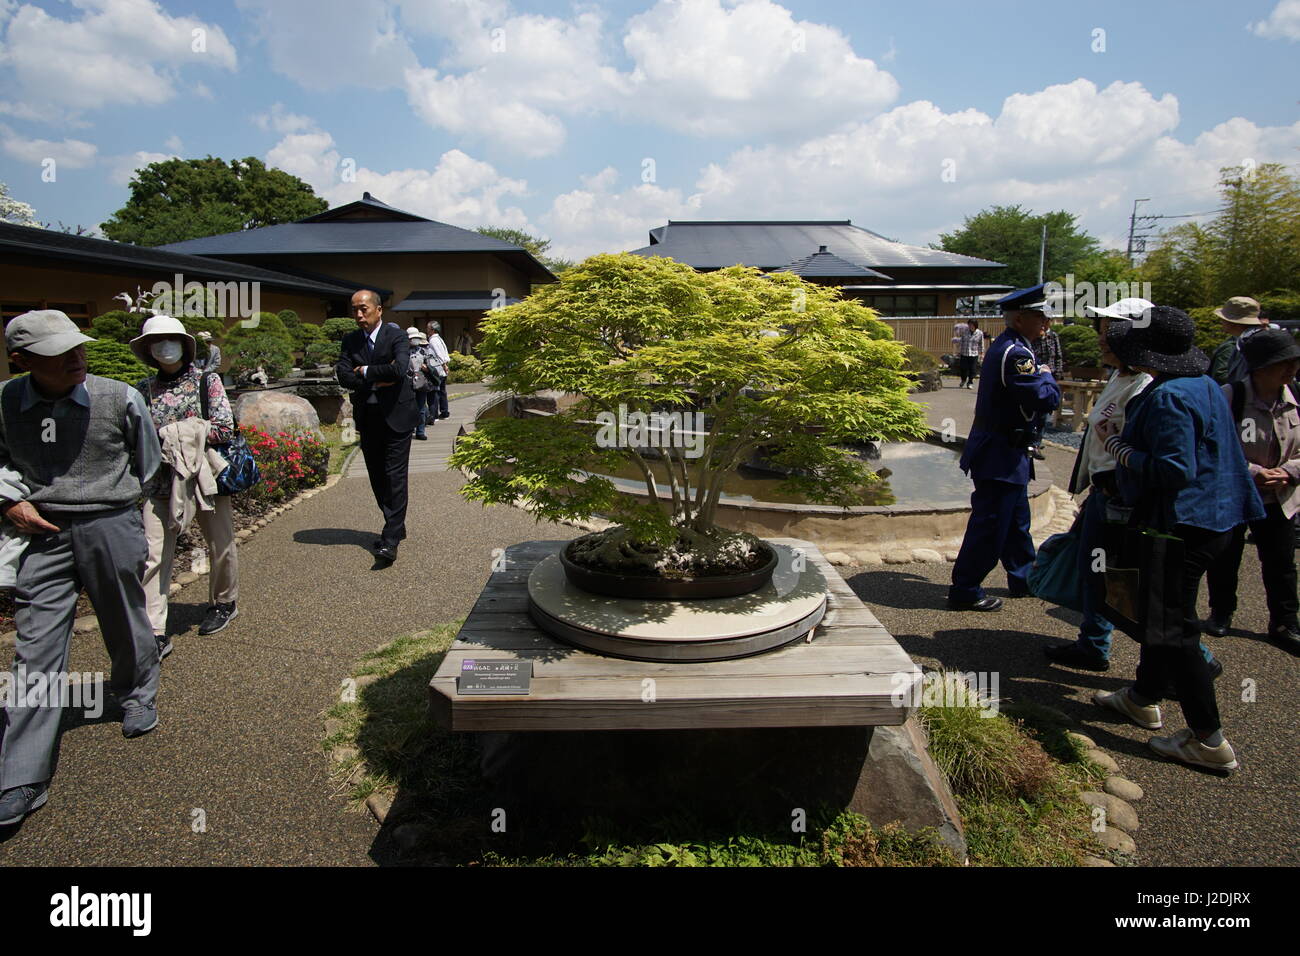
373 399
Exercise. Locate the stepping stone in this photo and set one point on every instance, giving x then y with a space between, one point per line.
379 803
1113 838
1103 760
1122 788
1118 813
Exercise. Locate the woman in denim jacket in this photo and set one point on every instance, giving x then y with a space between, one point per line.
1179 457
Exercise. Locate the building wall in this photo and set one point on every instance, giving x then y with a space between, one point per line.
405 273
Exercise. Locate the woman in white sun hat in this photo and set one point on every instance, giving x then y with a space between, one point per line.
174 395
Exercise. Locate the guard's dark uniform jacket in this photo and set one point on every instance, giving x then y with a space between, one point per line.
1010 411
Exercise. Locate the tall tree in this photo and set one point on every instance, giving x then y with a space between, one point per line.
534 244
179 199
1252 247
1011 235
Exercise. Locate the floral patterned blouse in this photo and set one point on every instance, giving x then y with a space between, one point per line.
173 398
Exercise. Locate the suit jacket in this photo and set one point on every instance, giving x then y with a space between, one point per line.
389 363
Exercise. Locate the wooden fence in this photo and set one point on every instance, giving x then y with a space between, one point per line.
933 333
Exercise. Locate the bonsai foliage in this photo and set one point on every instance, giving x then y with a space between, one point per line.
771 361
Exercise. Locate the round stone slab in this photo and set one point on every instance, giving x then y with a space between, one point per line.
783 610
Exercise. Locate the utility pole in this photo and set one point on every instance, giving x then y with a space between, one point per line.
1132 225
1042 252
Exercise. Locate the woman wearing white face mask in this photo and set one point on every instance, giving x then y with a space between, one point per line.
174 395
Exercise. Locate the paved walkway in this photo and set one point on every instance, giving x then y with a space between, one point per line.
241 711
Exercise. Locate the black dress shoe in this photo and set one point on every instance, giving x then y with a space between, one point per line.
1217 625
377 543
1285 637
983 604
386 553
1072 655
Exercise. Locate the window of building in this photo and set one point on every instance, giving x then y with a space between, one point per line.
902 306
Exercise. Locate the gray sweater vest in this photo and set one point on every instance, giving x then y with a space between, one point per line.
73 458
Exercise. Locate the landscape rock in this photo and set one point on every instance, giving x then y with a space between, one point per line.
1118 813
1124 789
379 803
1103 760
186 577
927 555
344 754
333 726
1096 861
243 534
1113 838
950 556
85 624
838 558
275 411
1082 739
365 680
868 559
897 557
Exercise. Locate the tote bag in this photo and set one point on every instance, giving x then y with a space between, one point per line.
241 472
1054 576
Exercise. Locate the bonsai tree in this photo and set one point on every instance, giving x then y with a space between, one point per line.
766 361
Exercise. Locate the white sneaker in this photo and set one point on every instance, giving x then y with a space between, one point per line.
1146 717
1185 747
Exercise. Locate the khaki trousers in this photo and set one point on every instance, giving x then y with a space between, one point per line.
218 528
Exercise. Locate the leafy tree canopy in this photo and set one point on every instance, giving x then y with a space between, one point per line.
772 361
1011 235
1252 247
179 199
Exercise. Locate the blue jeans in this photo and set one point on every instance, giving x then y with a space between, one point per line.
422 409
1095 631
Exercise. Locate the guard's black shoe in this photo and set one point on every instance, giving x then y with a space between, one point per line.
1037 453
1073 655
1285 637
1217 625
386 553
983 604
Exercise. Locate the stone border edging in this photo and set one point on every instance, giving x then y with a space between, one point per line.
88 622
1117 818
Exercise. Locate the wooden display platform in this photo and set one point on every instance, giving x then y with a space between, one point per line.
850 673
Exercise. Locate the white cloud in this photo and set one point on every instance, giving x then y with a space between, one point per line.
917 171
330 44
279 120
513 79
458 189
174 143
1282 24
749 67
117 51
124 167
72 153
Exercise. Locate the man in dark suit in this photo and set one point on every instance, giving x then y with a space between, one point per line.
373 364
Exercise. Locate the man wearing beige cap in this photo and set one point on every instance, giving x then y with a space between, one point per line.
75 450
1240 316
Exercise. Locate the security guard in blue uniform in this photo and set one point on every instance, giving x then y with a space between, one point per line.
1015 395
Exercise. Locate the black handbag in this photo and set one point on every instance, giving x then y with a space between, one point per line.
1143 575
241 471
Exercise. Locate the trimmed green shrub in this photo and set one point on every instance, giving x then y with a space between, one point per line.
1280 304
110 359
289 318
117 325
307 334
266 351
1079 346
1209 328
464 368
321 353
334 329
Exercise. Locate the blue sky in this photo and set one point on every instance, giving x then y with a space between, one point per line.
592 124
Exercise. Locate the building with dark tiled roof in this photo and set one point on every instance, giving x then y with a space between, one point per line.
895 278
429 269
